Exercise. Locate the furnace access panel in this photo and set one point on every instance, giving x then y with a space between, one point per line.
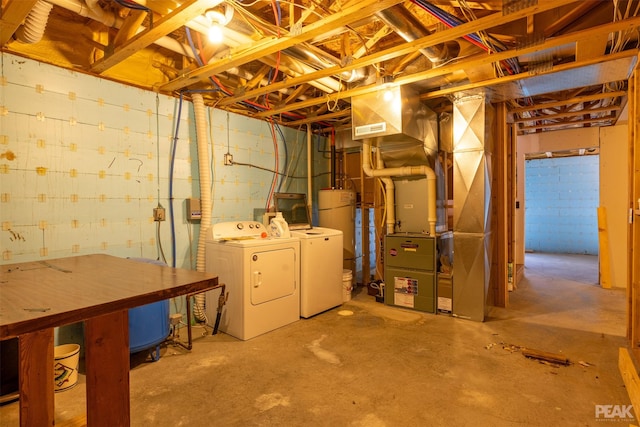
410 271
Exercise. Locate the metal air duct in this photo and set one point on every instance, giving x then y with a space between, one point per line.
407 26
395 120
473 121
404 134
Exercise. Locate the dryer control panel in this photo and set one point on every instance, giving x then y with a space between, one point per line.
238 230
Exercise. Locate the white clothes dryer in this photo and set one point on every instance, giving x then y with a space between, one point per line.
261 274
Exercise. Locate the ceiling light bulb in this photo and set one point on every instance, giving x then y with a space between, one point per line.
215 33
387 95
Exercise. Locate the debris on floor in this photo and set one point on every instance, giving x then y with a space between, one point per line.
546 358
553 358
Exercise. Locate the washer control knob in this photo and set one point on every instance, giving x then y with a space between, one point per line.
240 226
250 225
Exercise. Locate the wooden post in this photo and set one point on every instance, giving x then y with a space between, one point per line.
107 361
633 285
605 261
500 198
36 378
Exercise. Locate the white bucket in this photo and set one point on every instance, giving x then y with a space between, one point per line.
65 367
347 285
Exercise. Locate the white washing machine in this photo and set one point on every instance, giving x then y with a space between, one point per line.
262 276
320 269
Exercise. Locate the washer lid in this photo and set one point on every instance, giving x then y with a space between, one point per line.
294 209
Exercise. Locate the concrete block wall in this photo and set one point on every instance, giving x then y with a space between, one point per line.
562 196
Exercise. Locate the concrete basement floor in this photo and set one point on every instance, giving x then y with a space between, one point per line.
385 366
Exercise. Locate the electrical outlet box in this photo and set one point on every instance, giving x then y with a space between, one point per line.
228 159
159 214
193 209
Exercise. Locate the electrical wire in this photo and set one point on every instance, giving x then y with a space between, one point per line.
161 255
276 160
132 5
278 172
484 42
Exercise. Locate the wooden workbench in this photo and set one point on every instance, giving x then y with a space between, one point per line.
37 296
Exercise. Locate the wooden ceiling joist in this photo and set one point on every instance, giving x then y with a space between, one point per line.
568 123
13 14
567 114
167 24
576 100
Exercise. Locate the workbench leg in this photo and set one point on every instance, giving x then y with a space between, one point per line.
36 378
107 366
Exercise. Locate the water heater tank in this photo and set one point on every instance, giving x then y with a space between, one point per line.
337 210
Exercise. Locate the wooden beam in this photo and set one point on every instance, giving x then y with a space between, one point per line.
578 12
512 198
320 118
270 45
633 231
524 76
130 27
13 14
431 40
567 123
501 197
447 69
165 25
257 78
575 100
296 93
629 375
36 378
568 114
603 249
382 32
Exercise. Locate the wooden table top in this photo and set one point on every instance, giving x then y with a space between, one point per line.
44 294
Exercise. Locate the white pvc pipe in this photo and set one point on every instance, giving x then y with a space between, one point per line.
405 171
205 194
90 9
390 190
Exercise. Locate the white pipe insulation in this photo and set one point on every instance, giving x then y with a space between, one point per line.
205 194
309 172
422 170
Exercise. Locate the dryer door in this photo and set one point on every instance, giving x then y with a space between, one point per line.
272 274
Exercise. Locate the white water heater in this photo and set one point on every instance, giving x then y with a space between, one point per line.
337 210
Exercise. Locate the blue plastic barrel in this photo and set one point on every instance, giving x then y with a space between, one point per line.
148 324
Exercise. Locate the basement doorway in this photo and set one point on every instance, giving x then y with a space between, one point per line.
561 201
